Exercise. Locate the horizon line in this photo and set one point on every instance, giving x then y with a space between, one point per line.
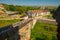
27 5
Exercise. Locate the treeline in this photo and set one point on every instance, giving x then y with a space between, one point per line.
52 9
23 9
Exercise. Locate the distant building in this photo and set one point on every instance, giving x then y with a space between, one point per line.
1 6
12 12
39 13
2 10
29 14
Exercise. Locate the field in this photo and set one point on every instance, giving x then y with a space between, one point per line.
8 22
44 31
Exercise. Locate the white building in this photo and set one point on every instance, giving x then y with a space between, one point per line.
39 12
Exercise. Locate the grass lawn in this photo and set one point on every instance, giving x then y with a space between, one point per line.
7 22
44 31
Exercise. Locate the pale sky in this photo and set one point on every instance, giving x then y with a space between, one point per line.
32 2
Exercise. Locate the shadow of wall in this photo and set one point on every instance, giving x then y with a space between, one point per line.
9 33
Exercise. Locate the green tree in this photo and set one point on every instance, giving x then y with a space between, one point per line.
11 8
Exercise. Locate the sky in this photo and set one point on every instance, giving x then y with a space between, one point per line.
32 2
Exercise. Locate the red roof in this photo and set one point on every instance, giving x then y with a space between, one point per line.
38 11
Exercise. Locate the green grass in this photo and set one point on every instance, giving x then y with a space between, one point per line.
8 22
44 31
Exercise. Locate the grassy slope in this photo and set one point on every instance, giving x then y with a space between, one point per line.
43 31
7 22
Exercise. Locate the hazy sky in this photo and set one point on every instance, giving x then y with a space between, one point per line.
31 2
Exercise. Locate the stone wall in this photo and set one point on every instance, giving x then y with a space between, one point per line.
17 31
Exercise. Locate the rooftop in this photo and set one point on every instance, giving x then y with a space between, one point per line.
39 11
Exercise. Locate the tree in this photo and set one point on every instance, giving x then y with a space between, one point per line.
11 8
